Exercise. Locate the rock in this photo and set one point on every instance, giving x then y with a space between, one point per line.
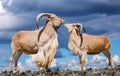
57 72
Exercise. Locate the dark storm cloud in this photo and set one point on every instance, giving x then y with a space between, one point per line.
108 23
99 16
66 8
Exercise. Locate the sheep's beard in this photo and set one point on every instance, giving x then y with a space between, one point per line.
56 27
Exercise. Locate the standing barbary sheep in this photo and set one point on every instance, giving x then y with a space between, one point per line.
42 41
83 44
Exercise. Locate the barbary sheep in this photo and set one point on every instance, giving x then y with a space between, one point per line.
42 42
82 44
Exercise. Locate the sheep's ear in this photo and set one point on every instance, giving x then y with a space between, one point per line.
76 25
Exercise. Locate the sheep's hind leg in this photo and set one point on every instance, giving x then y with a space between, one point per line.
108 55
11 59
19 53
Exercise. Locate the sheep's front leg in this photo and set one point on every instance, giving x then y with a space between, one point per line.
108 55
14 50
83 61
50 57
40 59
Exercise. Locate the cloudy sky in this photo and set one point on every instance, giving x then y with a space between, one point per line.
101 17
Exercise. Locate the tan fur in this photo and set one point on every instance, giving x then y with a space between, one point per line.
27 42
91 45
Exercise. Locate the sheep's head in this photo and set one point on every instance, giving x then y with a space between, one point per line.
75 27
57 21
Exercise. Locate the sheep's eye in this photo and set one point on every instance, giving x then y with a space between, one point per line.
77 26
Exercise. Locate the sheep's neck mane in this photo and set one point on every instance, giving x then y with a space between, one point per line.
75 35
49 29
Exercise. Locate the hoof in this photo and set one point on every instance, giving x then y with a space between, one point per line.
111 68
11 72
17 71
48 70
41 70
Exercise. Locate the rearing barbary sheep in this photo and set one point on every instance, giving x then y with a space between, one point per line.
82 44
42 42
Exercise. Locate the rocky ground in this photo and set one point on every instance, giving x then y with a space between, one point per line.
89 72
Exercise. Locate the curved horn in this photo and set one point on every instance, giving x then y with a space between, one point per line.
82 28
40 16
